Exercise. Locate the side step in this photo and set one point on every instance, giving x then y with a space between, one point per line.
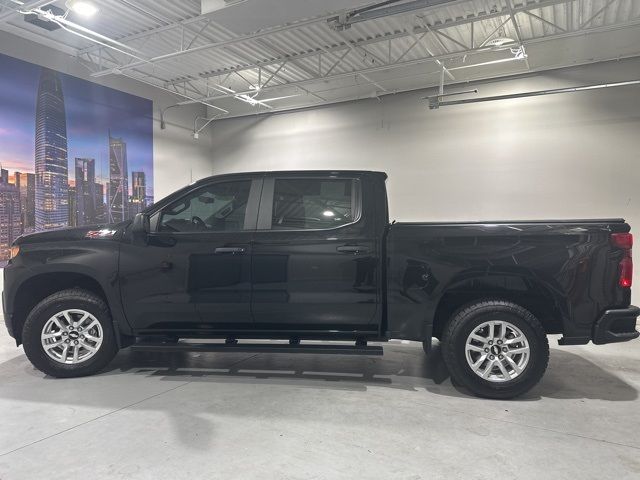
257 348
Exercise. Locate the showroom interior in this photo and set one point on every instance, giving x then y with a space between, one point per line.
477 111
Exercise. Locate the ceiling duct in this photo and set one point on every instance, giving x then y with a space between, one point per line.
209 6
382 9
248 16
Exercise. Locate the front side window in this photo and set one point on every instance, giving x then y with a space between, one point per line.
310 204
219 207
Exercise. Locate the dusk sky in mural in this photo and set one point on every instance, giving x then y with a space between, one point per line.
91 110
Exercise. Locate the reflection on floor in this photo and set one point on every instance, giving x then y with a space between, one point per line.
263 416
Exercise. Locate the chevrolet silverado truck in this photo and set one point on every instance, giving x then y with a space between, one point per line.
310 259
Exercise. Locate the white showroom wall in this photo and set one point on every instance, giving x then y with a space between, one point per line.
573 155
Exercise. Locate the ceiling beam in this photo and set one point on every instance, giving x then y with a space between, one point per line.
221 44
595 15
516 28
153 31
437 58
422 86
301 24
547 22
418 30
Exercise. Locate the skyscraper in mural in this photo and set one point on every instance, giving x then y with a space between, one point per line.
10 221
85 191
118 180
51 163
26 183
101 208
73 202
138 192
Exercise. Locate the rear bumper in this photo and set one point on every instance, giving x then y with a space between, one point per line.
617 325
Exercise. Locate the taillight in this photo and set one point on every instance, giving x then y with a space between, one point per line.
624 241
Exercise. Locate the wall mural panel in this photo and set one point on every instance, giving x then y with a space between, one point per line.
72 152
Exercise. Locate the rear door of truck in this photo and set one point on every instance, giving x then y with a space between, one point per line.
315 257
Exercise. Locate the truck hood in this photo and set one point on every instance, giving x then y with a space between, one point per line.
104 231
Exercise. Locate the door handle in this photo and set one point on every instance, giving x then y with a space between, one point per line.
231 250
355 249
166 265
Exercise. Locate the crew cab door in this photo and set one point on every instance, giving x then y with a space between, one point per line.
316 260
193 273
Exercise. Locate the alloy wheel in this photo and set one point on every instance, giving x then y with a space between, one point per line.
72 336
497 351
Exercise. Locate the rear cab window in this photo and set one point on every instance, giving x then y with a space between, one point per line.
314 203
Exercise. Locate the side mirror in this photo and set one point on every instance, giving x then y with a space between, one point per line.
140 228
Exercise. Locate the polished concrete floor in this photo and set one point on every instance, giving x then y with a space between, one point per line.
275 416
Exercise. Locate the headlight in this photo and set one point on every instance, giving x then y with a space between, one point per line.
15 250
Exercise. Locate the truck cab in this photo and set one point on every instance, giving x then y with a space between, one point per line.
260 254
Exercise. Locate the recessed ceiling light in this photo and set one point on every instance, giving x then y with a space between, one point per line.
82 7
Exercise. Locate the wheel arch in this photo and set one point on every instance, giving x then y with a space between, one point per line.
39 286
536 295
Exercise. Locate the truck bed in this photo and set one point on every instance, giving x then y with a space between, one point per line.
589 221
566 263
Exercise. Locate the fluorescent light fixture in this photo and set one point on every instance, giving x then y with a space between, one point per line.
492 62
328 213
82 7
536 93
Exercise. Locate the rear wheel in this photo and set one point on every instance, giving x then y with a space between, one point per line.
496 349
69 334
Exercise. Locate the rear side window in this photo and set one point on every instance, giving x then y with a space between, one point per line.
314 203
219 207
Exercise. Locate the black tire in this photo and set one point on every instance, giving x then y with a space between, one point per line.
74 298
466 320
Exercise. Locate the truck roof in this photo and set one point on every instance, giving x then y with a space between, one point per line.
296 173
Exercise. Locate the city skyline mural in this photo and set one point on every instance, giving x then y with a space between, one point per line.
72 152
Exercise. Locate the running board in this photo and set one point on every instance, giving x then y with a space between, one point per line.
257 348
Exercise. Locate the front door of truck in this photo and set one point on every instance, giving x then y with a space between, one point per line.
315 257
193 273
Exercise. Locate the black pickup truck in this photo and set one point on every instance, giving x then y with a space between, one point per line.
310 255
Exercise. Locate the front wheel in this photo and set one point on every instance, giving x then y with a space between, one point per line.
69 334
496 349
